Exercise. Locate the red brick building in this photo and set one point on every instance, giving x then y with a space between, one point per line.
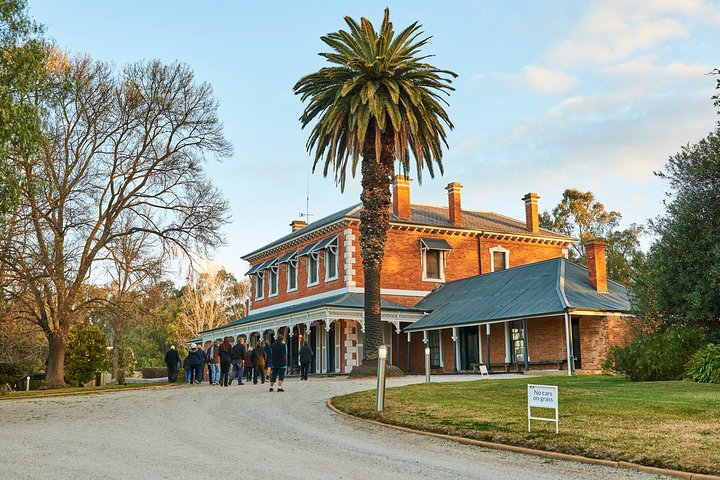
308 285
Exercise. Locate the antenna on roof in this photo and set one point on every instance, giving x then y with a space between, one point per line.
307 213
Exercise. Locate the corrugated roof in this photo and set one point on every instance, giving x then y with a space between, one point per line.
537 289
341 300
430 216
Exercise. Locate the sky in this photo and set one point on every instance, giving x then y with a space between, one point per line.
550 95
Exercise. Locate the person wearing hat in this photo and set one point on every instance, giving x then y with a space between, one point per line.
195 363
172 361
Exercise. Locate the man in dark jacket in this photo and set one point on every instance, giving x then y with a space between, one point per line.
306 355
259 363
279 359
237 356
172 360
194 363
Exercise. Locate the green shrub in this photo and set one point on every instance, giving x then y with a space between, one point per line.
86 354
704 365
652 356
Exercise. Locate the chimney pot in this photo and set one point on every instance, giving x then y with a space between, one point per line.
597 269
296 225
401 197
454 208
532 222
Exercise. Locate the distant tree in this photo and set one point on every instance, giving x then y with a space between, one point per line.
379 101
114 146
87 353
681 284
581 216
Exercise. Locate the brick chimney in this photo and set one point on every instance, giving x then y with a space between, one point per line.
531 212
454 209
296 225
597 272
401 197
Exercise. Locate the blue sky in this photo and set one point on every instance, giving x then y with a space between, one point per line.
550 95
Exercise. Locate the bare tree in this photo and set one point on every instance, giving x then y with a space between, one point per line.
128 146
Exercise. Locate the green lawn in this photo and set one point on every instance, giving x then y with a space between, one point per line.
77 390
665 424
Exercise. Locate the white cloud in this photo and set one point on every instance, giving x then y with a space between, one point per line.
548 81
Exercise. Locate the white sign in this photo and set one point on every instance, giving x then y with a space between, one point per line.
545 396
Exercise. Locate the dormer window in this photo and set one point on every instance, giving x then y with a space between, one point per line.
433 254
499 259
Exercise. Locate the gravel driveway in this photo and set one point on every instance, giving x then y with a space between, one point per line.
202 432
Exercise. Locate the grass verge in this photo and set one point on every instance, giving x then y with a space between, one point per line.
76 390
673 425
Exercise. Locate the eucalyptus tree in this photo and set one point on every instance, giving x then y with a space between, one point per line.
379 101
122 155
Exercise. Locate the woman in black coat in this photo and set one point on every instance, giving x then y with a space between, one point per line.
225 361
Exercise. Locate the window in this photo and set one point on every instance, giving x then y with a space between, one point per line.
259 286
499 259
433 255
435 350
331 270
313 263
517 339
292 275
273 281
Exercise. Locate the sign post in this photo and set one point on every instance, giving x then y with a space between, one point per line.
545 396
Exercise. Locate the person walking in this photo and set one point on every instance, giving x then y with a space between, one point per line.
248 364
237 354
203 359
306 355
194 363
259 362
209 349
172 360
225 361
279 356
268 359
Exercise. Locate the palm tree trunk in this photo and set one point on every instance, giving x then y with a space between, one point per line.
374 224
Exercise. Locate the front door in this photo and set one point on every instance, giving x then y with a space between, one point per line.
313 346
469 353
576 343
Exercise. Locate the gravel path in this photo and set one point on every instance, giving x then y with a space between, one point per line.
200 432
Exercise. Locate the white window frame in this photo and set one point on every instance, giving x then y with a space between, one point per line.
440 345
334 250
294 264
316 257
259 285
423 263
274 275
492 257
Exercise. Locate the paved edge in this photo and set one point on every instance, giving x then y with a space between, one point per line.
538 453
80 393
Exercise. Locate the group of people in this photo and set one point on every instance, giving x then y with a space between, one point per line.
226 360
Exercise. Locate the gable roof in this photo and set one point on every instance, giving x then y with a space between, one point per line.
423 215
538 289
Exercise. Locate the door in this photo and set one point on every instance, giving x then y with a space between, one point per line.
313 345
469 353
577 354
331 349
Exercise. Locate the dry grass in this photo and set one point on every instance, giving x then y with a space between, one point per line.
77 390
665 424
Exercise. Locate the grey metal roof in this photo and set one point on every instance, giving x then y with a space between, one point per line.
431 216
436 243
287 257
342 300
537 289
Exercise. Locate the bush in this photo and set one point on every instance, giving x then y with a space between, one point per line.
86 354
652 356
704 366
154 372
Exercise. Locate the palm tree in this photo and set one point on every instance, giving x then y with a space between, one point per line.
379 101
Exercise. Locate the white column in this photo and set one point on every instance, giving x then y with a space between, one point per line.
480 359
508 357
456 340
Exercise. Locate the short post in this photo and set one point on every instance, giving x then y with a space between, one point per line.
427 365
27 383
382 359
